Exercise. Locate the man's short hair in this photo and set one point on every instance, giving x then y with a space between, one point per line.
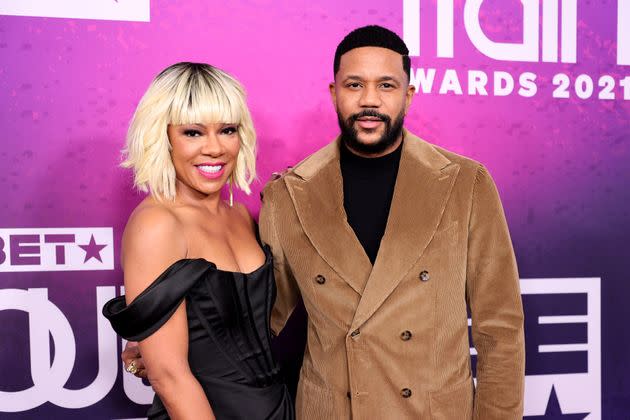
373 36
186 93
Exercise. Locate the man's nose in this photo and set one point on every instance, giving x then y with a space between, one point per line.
370 97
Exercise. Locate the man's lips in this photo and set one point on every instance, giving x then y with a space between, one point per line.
369 123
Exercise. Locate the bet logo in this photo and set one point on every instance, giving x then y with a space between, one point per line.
56 249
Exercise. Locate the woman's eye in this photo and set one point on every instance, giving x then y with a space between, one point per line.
192 133
229 130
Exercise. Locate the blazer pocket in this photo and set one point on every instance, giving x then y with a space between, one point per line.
444 238
314 401
449 229
455 403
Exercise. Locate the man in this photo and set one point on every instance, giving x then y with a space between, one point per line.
387 239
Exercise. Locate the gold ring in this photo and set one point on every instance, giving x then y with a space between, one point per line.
132 368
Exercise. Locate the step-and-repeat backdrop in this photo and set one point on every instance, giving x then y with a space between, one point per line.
539 91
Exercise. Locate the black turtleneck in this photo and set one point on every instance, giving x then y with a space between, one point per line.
368 188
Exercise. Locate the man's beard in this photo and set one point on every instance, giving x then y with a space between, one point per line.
349 135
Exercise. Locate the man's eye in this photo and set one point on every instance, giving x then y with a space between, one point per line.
387 86
229 130
192 133
354 85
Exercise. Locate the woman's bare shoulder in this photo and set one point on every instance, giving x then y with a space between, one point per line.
154 228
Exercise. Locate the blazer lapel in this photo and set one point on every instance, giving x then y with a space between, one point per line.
424 182
317 194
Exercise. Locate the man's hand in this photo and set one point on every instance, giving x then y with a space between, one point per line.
133 360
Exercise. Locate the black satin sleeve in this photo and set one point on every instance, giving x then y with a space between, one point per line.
157 303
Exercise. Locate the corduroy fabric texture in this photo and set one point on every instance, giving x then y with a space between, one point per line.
446 244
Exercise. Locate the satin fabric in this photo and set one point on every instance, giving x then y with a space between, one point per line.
229 335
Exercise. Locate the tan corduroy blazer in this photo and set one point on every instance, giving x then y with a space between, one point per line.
391 341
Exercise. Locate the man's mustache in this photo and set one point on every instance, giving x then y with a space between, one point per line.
370 113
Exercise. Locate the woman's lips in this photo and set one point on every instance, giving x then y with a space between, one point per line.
213 171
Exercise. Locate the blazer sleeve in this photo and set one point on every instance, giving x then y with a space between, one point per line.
287 295
493 292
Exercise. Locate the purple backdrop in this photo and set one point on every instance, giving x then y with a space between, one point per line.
69 85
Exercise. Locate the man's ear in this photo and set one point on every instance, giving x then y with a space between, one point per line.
333 93
411 92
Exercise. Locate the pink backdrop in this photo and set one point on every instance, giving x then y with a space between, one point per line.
68 87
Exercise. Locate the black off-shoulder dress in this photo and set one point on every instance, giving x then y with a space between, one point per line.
228 331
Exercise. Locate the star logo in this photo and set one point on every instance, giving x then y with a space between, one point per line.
554 412
92 250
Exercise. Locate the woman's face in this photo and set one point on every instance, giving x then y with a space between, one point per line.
204 156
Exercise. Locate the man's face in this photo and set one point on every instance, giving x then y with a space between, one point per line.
371 94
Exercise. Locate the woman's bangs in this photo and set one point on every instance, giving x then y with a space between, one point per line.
206 101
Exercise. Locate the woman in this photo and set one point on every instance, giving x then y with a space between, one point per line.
199 287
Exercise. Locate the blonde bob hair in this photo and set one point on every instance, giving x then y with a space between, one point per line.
186 93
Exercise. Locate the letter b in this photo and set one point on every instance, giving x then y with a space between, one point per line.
3 256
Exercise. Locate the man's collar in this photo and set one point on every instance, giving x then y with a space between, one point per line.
418 149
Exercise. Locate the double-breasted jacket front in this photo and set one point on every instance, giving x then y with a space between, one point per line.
390 341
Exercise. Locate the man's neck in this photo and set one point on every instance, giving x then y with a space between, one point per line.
394 146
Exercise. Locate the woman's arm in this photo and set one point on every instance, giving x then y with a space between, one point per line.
153 241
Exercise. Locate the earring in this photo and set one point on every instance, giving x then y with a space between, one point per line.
231 192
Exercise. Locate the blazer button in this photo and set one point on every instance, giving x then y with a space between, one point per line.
320 279
355 333
405 335
424 275
405 393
